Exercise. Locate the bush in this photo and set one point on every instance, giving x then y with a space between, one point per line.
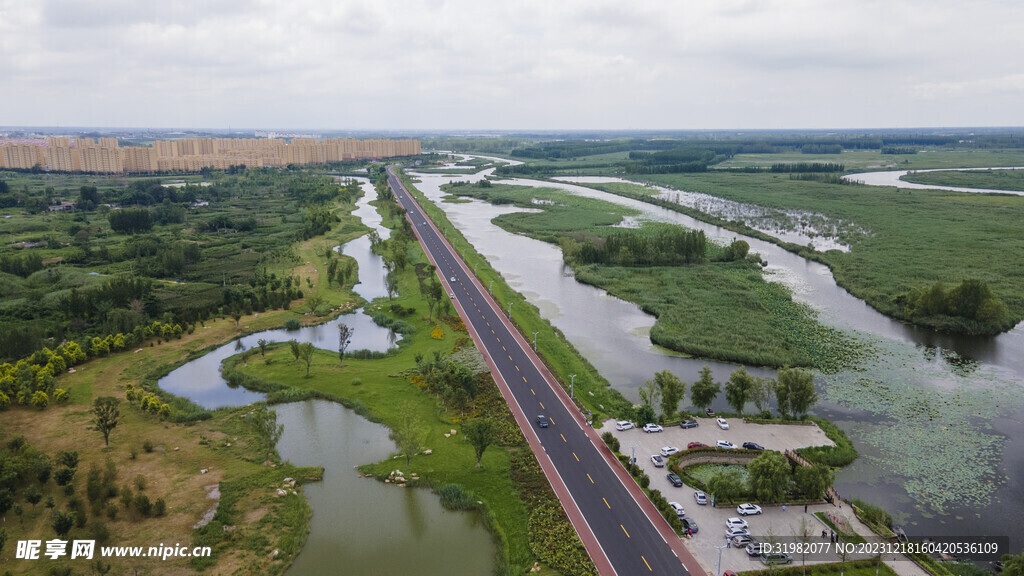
842 454
453 497
292 324
160 507
140 482
147 446
64 476
143 505
873 514
645 481
357 382
112 511
611 441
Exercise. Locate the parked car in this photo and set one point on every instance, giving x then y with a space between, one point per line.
776 558
650 427
542 421
748 509
690 524
741 540
754 549
696 445
722 423
752 446
688 424
726 444
678 508
732 533
668 451
623 425
700 497
658 461
675 480
736 523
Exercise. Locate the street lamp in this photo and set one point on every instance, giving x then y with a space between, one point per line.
572 380
535 341
509 310
491 289
720 548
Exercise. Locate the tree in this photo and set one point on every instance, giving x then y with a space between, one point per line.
795 391
481 433
672 390
345 333
649 393
391 284
62 522
726 485
262 343
761 393
737 390
407 433
306 354
1013 565
645 414
812 481
33 496
769 475
263 422
293 345
434 295
704 391
105 416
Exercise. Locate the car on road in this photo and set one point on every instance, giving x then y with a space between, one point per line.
722 422
688 424
754 549
453 279
668 451
736 523
776 558
690 524
623 425
748 509
658 461
752 446
652 428
726 444
696 445
542 421
700 497
675 480
678 508
741 540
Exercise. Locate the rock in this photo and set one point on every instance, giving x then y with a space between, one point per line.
428 452
274 554
71 370
387 481
287 480
204 470
401 485
281 492
176 448
228 528
227 444
454 431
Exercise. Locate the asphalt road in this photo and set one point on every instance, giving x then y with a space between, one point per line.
614 527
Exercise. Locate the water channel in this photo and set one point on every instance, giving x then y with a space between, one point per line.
366 526
935 416
895 178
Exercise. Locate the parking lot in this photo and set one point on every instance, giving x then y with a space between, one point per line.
773 522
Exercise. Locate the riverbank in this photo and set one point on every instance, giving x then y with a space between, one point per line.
721 310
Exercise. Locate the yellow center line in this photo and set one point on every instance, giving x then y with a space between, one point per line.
503 348
645 562
509 357
563 437
605 501
542 406
492 330
524 378
552 421
517 370
532 392
499 339
592 481
488 324
575 456
624 530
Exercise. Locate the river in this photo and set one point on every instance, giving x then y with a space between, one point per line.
363 525
935 416
894 178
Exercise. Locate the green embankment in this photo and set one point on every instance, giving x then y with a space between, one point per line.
720 310
913 239
987 179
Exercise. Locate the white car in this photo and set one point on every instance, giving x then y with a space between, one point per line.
623 425
658 461
678 508
451 295
736 524
668 451
652 428
454 280
726 444
700 497
748 509
722 423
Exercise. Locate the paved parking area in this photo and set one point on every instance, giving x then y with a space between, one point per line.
711 521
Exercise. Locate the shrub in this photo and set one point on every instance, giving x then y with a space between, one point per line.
645 481
357 382
112 511
292 324
873 514
147 446
64 476
140 482
453 497
143 505
160 507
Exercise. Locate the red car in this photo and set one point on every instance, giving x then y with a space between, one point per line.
696 445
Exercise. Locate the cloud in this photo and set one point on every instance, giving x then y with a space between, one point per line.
530 64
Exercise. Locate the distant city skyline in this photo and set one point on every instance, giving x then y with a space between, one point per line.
460 65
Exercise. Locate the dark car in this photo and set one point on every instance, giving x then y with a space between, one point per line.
688 424
675 480
695 445
752 446
690 524
542 421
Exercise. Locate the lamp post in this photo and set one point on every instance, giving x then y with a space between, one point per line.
491 289
572 380
509 310
535 341
718 570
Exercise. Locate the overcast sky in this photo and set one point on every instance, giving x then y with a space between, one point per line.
481 64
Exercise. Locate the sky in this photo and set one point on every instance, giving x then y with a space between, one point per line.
513 65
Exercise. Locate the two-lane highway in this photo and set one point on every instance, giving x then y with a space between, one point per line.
609 517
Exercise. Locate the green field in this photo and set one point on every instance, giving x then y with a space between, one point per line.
914 238
987 179
720 310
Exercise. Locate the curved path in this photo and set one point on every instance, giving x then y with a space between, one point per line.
893 178
622 531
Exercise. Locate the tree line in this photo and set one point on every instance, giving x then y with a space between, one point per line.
662 246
